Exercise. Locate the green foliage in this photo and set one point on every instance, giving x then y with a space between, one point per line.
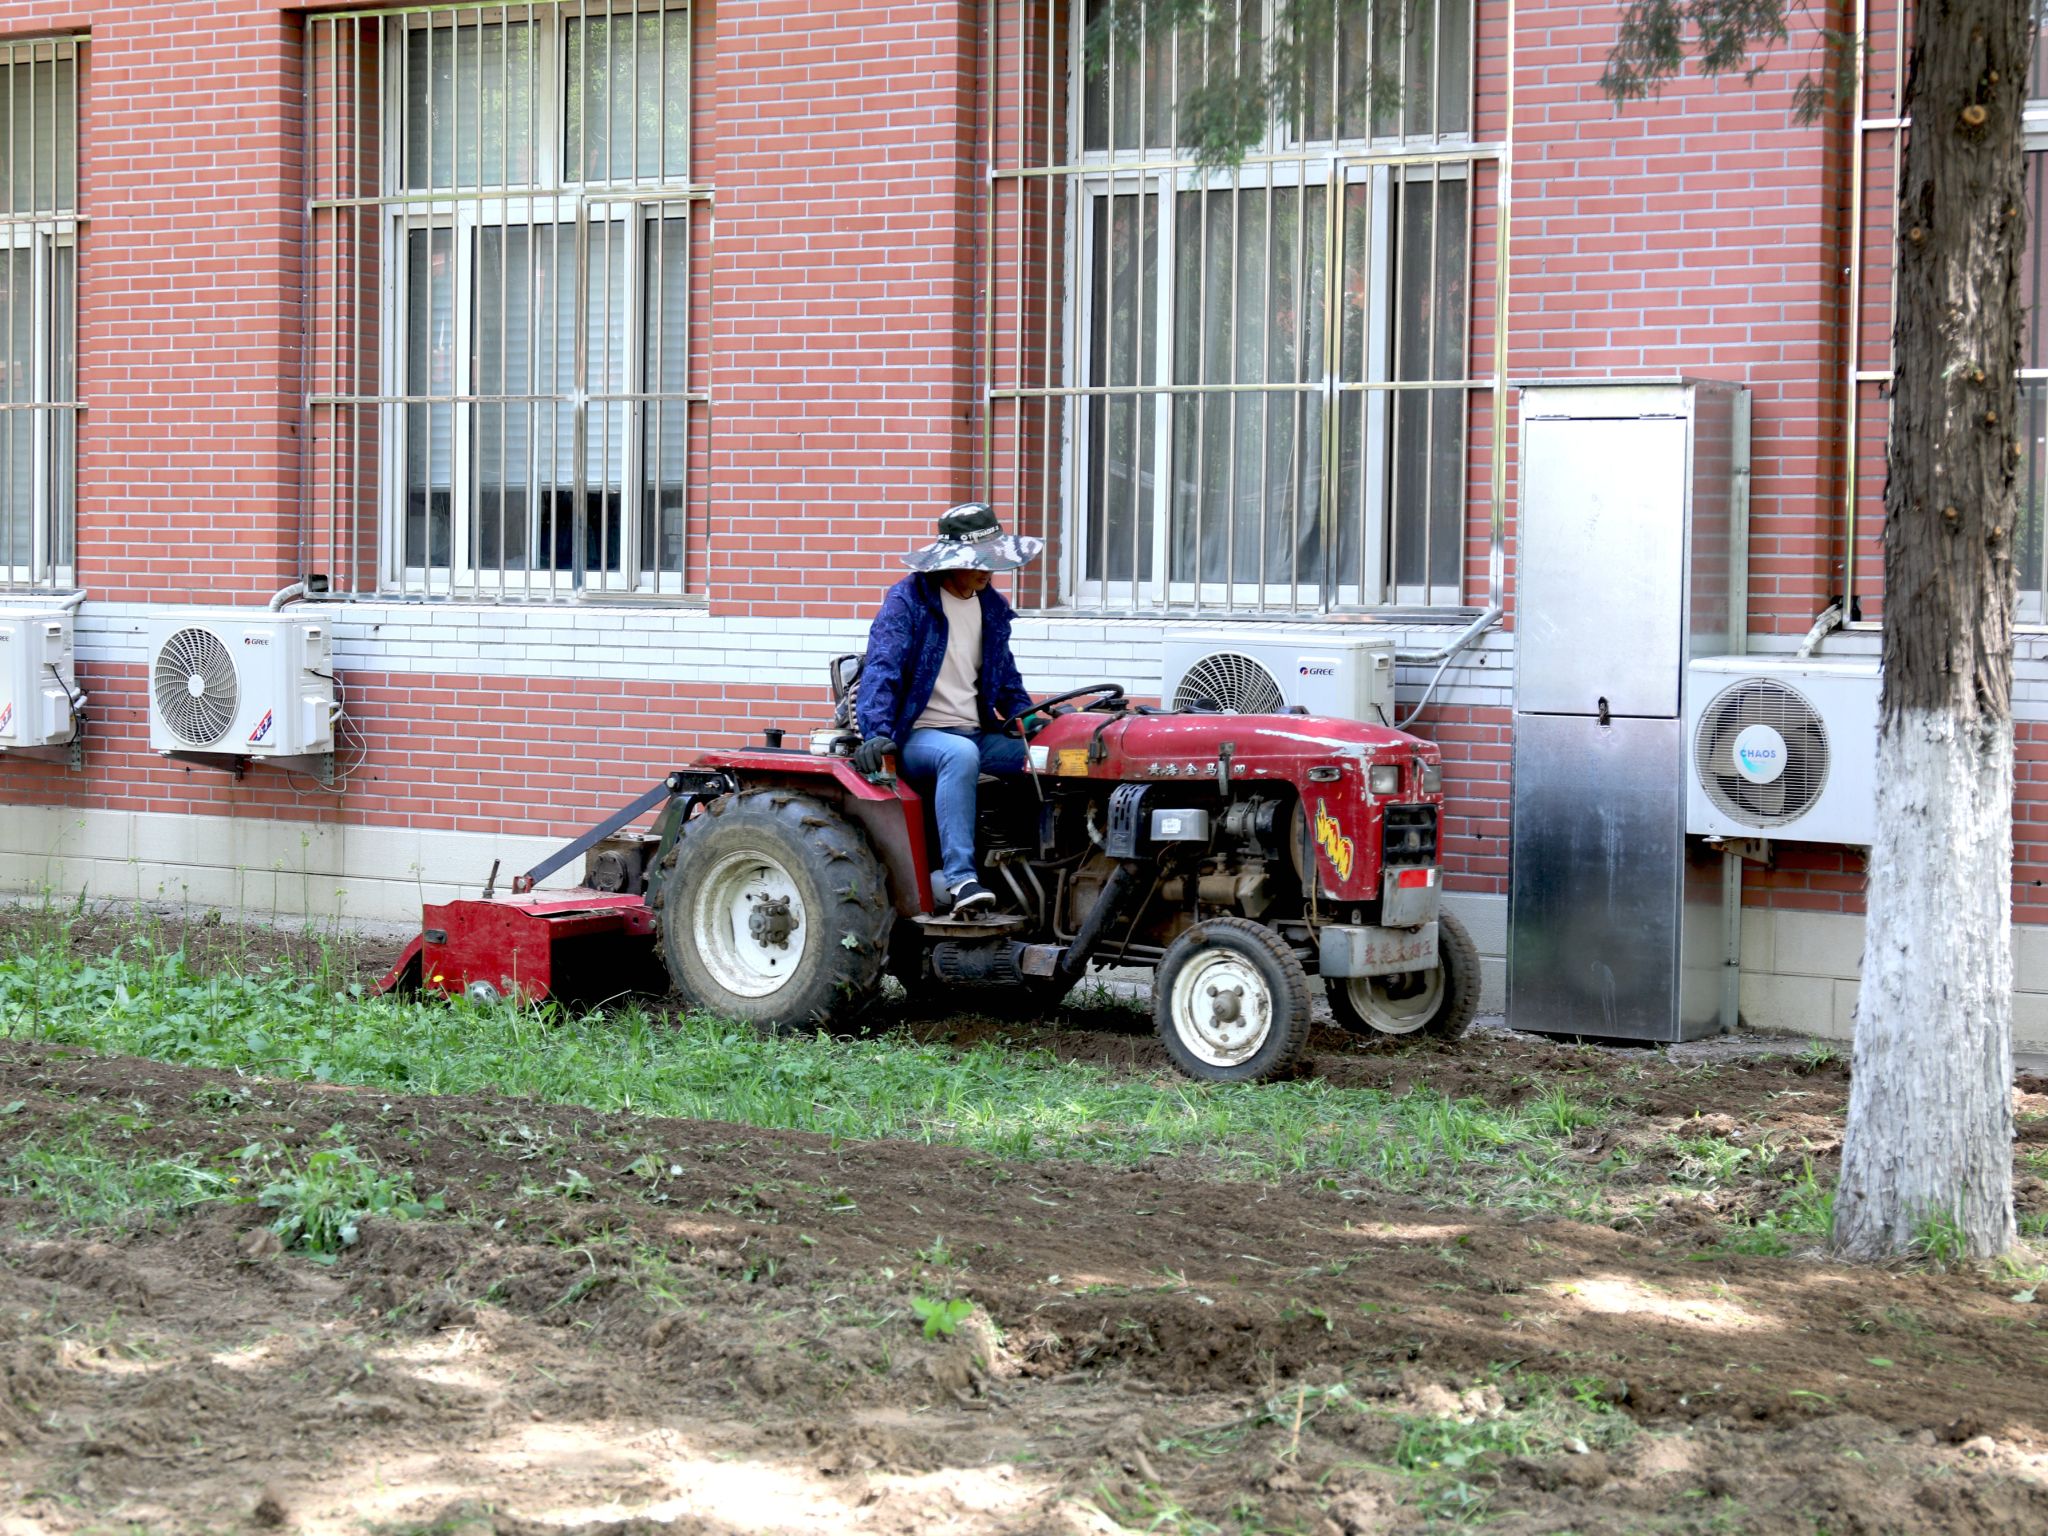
1231 89
941 1317
1800 1218
1819 1054
1725 37
93 1190
992 1097
322 1202
1941 1241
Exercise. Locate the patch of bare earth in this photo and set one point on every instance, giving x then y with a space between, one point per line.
709 1329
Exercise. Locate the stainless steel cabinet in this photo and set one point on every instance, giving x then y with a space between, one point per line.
1627 538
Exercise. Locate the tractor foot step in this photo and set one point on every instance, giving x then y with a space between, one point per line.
982 925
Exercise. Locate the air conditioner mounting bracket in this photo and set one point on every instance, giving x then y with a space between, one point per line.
319 764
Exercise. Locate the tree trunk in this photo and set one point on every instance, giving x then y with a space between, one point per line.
1928 1151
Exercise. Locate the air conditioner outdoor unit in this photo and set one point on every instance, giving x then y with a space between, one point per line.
241 683
1347 677
38 683
1782 748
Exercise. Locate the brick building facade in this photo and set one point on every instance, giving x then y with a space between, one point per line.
603 361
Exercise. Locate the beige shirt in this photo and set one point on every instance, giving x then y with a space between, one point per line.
953 706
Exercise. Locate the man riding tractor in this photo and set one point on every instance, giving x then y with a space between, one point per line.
940 689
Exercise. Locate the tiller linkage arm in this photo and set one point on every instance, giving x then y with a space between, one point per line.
684 789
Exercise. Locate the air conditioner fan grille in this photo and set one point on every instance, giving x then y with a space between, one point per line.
196 687
1760 701
1230 681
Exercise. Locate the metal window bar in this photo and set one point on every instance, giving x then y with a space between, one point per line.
40 214
504 234
1374 461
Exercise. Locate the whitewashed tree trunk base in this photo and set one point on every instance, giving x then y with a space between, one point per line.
1930 1100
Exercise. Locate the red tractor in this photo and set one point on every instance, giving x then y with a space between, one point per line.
1237 855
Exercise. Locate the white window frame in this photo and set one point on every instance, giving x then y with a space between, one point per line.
1383 161
2030 605
53 488
579 216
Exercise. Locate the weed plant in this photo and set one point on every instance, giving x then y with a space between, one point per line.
322 1202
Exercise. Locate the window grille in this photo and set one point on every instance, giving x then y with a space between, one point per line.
1883 45
1268 387
507 273
39 214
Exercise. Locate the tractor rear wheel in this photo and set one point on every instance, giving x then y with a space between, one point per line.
1232 1002
775 911
1436 1004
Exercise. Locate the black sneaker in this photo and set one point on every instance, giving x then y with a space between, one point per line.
971 895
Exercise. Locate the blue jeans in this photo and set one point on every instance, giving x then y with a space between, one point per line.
943 767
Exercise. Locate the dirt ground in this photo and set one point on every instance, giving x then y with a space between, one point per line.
645 1325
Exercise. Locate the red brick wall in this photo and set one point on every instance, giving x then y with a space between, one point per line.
845 172
189 295
448 752
1697 233
1478 758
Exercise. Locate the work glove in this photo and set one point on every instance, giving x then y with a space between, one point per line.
867 757
1031 724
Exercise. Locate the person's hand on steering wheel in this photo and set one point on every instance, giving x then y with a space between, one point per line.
1032 721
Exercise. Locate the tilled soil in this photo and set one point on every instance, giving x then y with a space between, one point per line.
627 1324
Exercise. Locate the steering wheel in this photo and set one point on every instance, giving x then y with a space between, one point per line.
1111 693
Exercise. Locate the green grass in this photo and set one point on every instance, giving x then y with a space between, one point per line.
90 1189
1445 1457
318 1201
993 1097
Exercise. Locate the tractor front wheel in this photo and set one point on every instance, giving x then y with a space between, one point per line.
1232 1002
1436 1004
775 911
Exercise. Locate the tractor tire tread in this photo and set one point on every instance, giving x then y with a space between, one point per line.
853 924
1296 995
1454 1015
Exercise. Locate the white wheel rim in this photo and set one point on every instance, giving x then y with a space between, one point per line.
1222 1008
1385 1003
749 924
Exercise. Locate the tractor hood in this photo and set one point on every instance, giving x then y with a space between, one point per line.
1177 746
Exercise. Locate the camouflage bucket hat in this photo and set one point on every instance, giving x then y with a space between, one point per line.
970 539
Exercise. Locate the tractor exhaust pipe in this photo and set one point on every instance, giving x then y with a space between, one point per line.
1107 909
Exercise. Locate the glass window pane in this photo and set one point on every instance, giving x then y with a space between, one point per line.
628 110
469 94
1122 353
430 388
511 291
1134 69
40 161
665 451
2034 265
2031 546
64 389
1429 436
1248 309
17 453
1454 69
2037 80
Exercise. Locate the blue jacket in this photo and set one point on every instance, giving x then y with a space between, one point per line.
906 648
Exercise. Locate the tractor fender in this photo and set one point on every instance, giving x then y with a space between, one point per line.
891 813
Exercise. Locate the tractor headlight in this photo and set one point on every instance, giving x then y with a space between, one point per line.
1432 778
1384 779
